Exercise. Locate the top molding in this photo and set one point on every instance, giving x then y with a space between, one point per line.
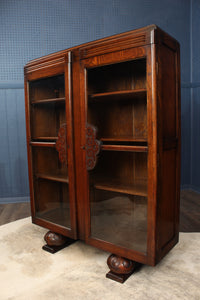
151 34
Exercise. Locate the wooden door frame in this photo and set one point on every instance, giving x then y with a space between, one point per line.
147 52
63 67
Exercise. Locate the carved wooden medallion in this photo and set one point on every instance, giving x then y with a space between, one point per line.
61 144
92 146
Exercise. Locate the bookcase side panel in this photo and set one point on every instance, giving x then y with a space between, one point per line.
169 149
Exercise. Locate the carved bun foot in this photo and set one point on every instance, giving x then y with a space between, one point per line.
56 242
120 268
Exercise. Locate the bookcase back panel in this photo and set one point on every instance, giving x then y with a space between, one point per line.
47 107
121 168
46 161
129 75
124 118
47 118
47 88
117 103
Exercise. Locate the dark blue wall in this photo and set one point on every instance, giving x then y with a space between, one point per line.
31 29
195 94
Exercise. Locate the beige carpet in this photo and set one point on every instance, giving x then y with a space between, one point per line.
78 272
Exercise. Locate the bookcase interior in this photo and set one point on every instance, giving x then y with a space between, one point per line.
117 103
129 75
46 162
47 88
52 201
120 219
47 107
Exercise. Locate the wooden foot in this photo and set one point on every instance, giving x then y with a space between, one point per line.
56 242
120 268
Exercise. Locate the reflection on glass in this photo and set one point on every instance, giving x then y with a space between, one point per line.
52 202
47 107
117 107
118 199
117 103
47 113
46 119
50 186
120 219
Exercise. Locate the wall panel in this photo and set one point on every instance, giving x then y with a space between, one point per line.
13 158
195 94
195 161
185 137
31 29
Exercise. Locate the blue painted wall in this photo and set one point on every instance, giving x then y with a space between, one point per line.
31 29
13 160
195 94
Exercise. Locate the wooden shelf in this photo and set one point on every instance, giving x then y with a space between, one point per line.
124 148
43 144
117 95
48 100
59 178
45 138
124 139
139 189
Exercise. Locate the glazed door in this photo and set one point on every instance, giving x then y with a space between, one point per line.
115 141
51 150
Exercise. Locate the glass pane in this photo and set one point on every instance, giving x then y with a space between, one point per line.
50 186
117 103
119 120
118 197
120 219
47 88
46 120
52 201
129 75
46 161
117 107
47 107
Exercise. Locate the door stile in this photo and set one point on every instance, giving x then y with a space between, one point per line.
28 139
94 62
85 177
152 152
62 69
69 144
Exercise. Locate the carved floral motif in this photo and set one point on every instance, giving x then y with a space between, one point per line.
61 144
92 147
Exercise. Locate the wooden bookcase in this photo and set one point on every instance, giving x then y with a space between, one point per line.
103 139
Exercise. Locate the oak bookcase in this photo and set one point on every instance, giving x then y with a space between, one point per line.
103 139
